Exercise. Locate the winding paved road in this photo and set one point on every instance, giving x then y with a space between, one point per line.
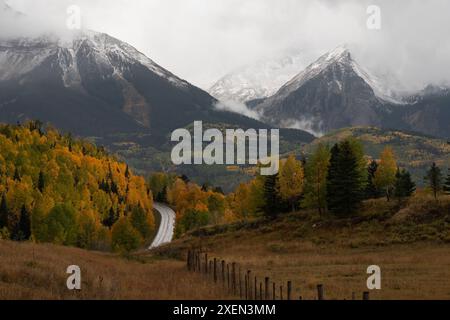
166 227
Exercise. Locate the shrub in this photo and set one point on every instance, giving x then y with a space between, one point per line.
140 221
61 225
125 238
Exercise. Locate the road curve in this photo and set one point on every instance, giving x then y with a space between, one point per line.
166 227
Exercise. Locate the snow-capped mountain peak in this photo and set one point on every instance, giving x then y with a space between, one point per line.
338 55
342 58
258 80
22 55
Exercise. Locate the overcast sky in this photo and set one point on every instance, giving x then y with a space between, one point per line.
201 40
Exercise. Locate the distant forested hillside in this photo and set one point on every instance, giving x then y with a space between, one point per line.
56 189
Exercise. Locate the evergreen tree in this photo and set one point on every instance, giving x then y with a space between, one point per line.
111 218
114 188
434 179
447 183
270 194
218 190
41 182
16 175
3 213
162 195
372 192
15 227
344 188
22 231
185 178
333 179
404 186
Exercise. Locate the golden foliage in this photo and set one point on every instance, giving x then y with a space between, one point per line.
40 168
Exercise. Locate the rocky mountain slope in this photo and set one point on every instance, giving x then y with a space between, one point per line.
331 93
93 84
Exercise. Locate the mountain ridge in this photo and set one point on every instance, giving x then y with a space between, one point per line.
93 84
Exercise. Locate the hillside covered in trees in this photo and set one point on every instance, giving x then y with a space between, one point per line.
56 189
334 181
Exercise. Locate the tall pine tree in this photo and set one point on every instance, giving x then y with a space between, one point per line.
404 187
41 182
344 188
111 218
372 191
22 231
271 205
434 179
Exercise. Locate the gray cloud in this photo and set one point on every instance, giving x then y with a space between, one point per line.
201 40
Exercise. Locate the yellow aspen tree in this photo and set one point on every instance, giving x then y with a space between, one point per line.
291 181
385 174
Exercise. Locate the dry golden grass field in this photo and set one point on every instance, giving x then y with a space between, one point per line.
30 271
410 242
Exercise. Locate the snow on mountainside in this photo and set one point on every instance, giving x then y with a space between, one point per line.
90 83
20 56
331 93
258 80
342 56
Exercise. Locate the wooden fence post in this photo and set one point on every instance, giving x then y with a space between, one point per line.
289 290
189 260
274 291
320 295
260 291
195 261
233 278
223 273
249 287
366 295
256 290
246 287
281 292
215 269
194 264
228 277
266 288
240 283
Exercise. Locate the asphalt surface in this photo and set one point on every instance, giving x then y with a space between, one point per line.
166 227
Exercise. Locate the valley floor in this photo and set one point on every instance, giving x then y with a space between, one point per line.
418 271
409 242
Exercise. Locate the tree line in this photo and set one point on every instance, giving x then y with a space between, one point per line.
332 180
